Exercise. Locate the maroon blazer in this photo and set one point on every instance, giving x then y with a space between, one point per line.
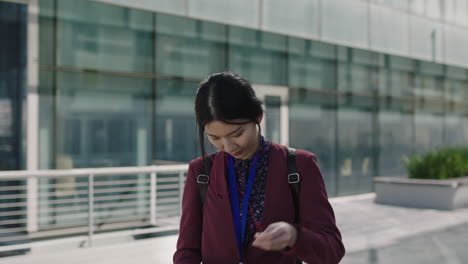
207 234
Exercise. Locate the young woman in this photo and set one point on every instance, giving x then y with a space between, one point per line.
248 213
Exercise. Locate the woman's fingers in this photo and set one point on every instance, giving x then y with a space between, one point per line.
266 243
276 237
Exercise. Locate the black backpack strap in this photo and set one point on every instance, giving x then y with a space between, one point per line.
293 180
204 177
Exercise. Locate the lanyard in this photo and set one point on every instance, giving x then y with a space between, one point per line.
240 221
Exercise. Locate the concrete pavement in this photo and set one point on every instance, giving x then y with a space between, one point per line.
372 234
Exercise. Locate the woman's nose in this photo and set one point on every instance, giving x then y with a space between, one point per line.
229 146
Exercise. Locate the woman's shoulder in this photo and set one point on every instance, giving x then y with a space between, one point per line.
197 163
301 154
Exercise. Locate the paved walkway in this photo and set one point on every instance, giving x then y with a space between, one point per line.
372 234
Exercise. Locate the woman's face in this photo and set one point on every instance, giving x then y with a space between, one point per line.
240 141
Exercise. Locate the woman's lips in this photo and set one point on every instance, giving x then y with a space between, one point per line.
237 153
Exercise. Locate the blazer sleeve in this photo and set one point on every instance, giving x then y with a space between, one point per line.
189 241
319 240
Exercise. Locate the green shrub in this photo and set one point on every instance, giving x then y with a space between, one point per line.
439 164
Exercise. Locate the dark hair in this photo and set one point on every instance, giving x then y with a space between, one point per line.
225 96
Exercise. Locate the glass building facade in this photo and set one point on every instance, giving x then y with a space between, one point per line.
12 95
117 84
117 87
12 83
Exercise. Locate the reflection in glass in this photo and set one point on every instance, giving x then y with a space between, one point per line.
312 127
311 65
456 111
93 113
273 118
103 120
355 150
429 108
12 82
105 37
395 142
176 135
259 57
357 83
189 48
395 118
12 90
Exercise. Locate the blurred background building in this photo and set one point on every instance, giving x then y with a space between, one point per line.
364 84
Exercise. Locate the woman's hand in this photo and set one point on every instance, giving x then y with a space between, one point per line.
276 236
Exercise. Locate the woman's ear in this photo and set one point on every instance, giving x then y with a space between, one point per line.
260 118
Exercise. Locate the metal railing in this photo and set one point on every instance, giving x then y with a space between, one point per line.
35 204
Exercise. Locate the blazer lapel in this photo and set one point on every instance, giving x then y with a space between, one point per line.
223 214
278 204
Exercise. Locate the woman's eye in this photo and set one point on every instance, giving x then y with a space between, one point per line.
238 135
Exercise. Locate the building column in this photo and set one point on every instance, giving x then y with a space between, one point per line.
32 112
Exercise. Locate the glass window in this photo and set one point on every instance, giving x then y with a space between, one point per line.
428 86
100 121
189 48
358 72
456 90
396 79
12 89
356 155
456 134
312 127
12 82
429 106
429 93
395 141
364 112
401 63
311 65
105 37
103 120
431 68
167 6
259 57
46 36
395 118
273 118
364 57
176 134
357 84
399 83
456 73
428 131
356 78
360 79
456 96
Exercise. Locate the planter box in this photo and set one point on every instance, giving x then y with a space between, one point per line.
418 193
